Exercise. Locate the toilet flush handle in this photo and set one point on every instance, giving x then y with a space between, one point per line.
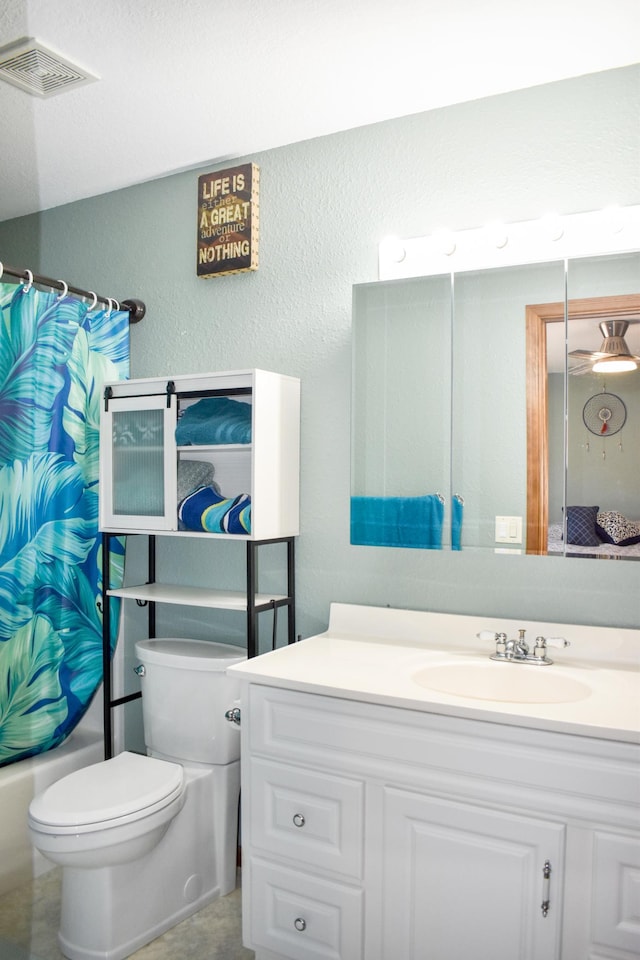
140 670
233 715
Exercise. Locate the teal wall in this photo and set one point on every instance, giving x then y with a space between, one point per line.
605 470
324 206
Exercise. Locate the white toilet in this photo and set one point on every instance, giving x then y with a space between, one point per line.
145 841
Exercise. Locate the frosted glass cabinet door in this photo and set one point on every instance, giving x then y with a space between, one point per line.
138 464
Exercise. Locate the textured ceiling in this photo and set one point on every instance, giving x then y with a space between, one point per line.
186 83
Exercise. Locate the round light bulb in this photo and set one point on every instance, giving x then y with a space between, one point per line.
444 242
497 233
552 227
614 219
391 248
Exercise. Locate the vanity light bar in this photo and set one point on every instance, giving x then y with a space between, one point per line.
552 237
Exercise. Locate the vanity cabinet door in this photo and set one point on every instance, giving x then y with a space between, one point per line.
465 881
615 917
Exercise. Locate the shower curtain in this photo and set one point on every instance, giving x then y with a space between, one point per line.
55 355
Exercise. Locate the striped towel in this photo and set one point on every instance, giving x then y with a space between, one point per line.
206 509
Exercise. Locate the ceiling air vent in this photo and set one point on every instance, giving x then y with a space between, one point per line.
31 66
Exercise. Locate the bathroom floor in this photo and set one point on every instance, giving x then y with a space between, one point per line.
29 925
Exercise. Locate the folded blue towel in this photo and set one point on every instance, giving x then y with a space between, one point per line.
397 521
205 509
215 420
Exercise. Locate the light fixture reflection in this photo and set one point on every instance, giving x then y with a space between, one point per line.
618 358
615 365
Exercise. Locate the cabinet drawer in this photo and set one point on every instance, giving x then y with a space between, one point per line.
593 778
306 816
302 917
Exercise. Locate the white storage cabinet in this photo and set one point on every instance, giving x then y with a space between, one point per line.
140 459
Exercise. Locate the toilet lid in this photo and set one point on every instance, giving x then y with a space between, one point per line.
113 789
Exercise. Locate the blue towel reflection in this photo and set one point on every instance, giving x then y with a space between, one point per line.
457 509
397 521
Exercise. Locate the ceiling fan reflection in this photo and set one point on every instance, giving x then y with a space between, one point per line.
614 355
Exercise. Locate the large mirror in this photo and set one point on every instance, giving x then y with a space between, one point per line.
593 464
401 412
478 421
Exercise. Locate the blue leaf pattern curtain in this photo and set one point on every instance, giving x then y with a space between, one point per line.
55 356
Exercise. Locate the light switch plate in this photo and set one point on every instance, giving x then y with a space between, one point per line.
508 530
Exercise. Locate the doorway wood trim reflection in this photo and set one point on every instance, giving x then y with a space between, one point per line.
537 316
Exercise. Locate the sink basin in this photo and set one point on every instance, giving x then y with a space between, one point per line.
505 682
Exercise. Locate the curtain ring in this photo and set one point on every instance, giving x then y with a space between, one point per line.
64 291
1 269
26 287
110 310
93 302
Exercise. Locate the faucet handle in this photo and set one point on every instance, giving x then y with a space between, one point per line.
500 640
557 642
540 649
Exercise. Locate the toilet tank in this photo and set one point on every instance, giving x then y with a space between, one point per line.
185 694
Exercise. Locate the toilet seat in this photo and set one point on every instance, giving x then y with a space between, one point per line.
108 794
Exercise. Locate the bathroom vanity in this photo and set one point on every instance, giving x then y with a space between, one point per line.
406 797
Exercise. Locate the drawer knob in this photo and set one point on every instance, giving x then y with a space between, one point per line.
299 820
300 924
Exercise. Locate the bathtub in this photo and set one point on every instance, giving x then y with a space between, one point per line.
19 782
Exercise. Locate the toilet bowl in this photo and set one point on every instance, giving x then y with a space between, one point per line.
146 840
107 813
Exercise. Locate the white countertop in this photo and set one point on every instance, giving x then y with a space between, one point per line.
372 654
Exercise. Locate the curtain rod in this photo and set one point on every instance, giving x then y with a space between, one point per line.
136 308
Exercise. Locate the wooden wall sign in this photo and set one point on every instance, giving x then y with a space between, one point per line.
228 223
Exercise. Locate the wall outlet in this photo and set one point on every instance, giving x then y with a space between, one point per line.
508 529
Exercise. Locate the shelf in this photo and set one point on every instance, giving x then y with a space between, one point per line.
117 531
215 448
194 596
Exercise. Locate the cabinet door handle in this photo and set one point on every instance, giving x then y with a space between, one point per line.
546 888
299 820
300 924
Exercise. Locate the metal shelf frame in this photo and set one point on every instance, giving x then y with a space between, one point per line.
249 600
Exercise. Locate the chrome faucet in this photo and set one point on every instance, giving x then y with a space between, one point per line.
517 651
